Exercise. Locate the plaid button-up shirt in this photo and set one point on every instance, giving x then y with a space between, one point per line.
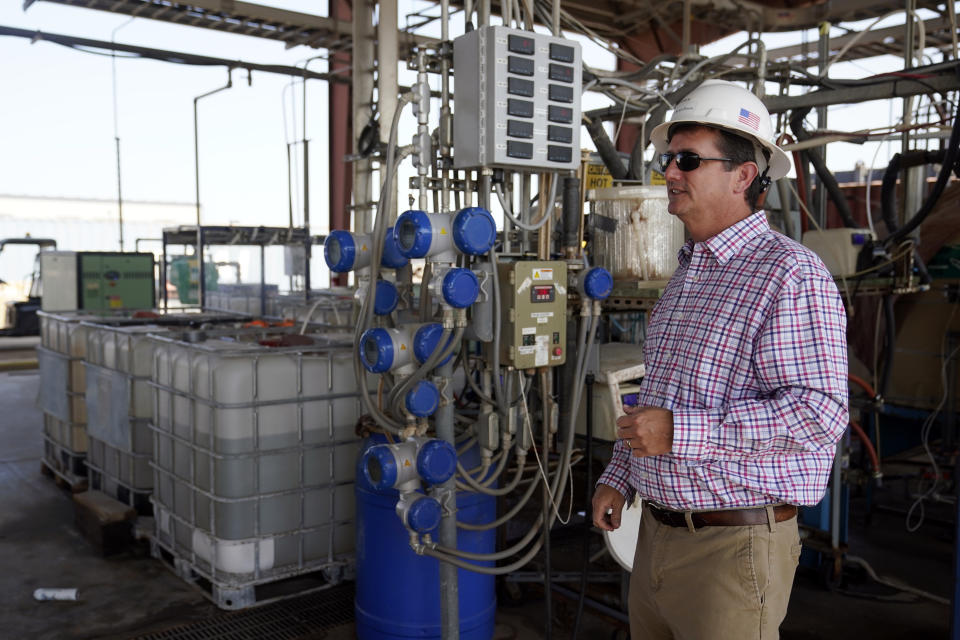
748 348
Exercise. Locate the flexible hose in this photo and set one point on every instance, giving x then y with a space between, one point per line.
871 451
484 487
827 179
366 307
863 384
534 226
509 515
608 152
557 487
950 159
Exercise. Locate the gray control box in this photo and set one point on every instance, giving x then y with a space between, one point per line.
516 100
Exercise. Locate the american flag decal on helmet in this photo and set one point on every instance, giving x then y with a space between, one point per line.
749 118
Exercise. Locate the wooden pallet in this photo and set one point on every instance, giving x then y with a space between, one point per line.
63 479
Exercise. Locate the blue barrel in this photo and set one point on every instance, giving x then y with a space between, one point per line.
398 592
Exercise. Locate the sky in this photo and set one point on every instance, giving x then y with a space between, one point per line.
57 122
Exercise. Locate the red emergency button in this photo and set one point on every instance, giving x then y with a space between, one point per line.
557 351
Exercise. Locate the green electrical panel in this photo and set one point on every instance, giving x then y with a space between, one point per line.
96 281
116 281
534 310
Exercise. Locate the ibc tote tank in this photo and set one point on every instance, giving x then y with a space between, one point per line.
398 592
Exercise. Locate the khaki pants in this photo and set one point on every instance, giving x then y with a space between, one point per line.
714 583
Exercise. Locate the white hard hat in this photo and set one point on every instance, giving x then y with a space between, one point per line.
722 104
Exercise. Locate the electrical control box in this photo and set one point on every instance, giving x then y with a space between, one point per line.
517 100
838 248
533 312
96 281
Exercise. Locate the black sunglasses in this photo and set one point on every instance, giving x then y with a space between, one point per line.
686 160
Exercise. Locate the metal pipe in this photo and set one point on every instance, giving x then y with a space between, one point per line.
449 591
483 13
446 119
196 161
587 502
823 54
545 384
555 16
387 80
362 99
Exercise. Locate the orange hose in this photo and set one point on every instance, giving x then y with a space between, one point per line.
863 384
871 451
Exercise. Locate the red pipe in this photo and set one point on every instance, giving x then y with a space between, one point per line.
863 384
871 451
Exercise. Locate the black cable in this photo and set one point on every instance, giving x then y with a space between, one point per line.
950 159
608 152
827 179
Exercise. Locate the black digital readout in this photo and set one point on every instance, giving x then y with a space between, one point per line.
542 293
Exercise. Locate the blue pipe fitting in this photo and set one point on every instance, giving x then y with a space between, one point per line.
460 288
423 515
380 467
386 298
437 461
413 234
423 400
474 231
339 251
376 350
426 340
596 283
392 258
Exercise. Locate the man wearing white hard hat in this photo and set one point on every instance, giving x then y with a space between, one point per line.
745 393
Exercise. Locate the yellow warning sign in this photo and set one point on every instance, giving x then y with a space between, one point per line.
657 178
406 463
403 347
543 274
443 231
363 247
598 177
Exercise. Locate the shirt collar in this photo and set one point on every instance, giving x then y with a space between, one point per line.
728 243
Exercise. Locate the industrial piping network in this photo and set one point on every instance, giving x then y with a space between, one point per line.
487 310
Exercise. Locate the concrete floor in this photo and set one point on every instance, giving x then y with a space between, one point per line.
126 595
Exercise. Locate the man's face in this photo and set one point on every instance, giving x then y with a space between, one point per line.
699 195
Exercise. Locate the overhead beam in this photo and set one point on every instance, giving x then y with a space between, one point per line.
168 56
882 89
293 28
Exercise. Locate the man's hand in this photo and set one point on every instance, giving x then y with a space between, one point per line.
646 431
607 498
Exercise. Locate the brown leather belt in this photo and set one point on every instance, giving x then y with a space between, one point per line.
722 518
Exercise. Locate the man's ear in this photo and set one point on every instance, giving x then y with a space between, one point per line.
744 176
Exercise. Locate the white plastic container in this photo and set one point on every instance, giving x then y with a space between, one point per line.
255 453
638 238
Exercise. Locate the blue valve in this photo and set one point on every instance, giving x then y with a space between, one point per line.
413 234
386 298
437 461
392 258
423 400
426 340
596 283
460 288
474 231
339 251
424 514
380 467
376 350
